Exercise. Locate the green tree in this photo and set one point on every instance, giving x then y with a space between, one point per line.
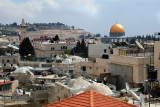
133 40
83 44
68 51
56 38
26 48
14 24
78 47
98 35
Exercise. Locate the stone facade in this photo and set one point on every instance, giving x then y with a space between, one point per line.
97 50
46 49
124 72
138 64
157 57
13 39
94 69
9 59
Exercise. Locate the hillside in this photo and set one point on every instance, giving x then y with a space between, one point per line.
43 29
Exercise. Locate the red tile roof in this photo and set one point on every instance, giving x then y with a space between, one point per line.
6 82
90 98
36 38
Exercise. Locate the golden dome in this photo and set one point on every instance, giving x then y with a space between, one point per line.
117 28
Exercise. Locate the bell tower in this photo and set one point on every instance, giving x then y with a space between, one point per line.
23 28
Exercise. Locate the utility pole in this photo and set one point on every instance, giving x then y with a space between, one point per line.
4 92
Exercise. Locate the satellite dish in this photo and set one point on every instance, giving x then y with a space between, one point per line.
139 45
142 100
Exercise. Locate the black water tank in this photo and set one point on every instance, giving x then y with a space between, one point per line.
83 68
105 56
152 74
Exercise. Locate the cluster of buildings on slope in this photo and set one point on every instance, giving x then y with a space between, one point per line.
56 76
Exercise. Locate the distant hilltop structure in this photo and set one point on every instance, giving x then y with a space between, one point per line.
32 30
23 28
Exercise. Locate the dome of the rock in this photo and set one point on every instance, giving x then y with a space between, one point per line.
117 30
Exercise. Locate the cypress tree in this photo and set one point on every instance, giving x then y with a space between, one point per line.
56 38
26 48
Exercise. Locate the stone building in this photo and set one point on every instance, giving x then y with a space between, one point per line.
13 40
72 87
129 64
125 64
48 49
98 50
9 59
93 68
91 98
8 87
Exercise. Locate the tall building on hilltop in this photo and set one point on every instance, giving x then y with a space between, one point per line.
23 28
117 30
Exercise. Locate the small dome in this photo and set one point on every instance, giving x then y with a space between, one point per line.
117 28
99 87
78 83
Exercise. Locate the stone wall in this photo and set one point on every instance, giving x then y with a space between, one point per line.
125 74
46 49
137 63
96 68
96 51
12 59
157 57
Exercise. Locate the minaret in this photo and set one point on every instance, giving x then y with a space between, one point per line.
23 28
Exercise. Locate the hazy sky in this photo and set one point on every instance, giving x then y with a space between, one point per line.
96 16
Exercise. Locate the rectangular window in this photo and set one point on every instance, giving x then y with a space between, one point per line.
14 61
2 60
105 50
41 101
90 67
1 89
104 70
64 47
58 98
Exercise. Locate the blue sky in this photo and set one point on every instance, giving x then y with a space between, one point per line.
138 17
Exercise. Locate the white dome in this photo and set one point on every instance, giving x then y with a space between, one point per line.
23 70
3 42
78 83
99 87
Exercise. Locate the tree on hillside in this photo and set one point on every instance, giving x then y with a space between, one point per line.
26 48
